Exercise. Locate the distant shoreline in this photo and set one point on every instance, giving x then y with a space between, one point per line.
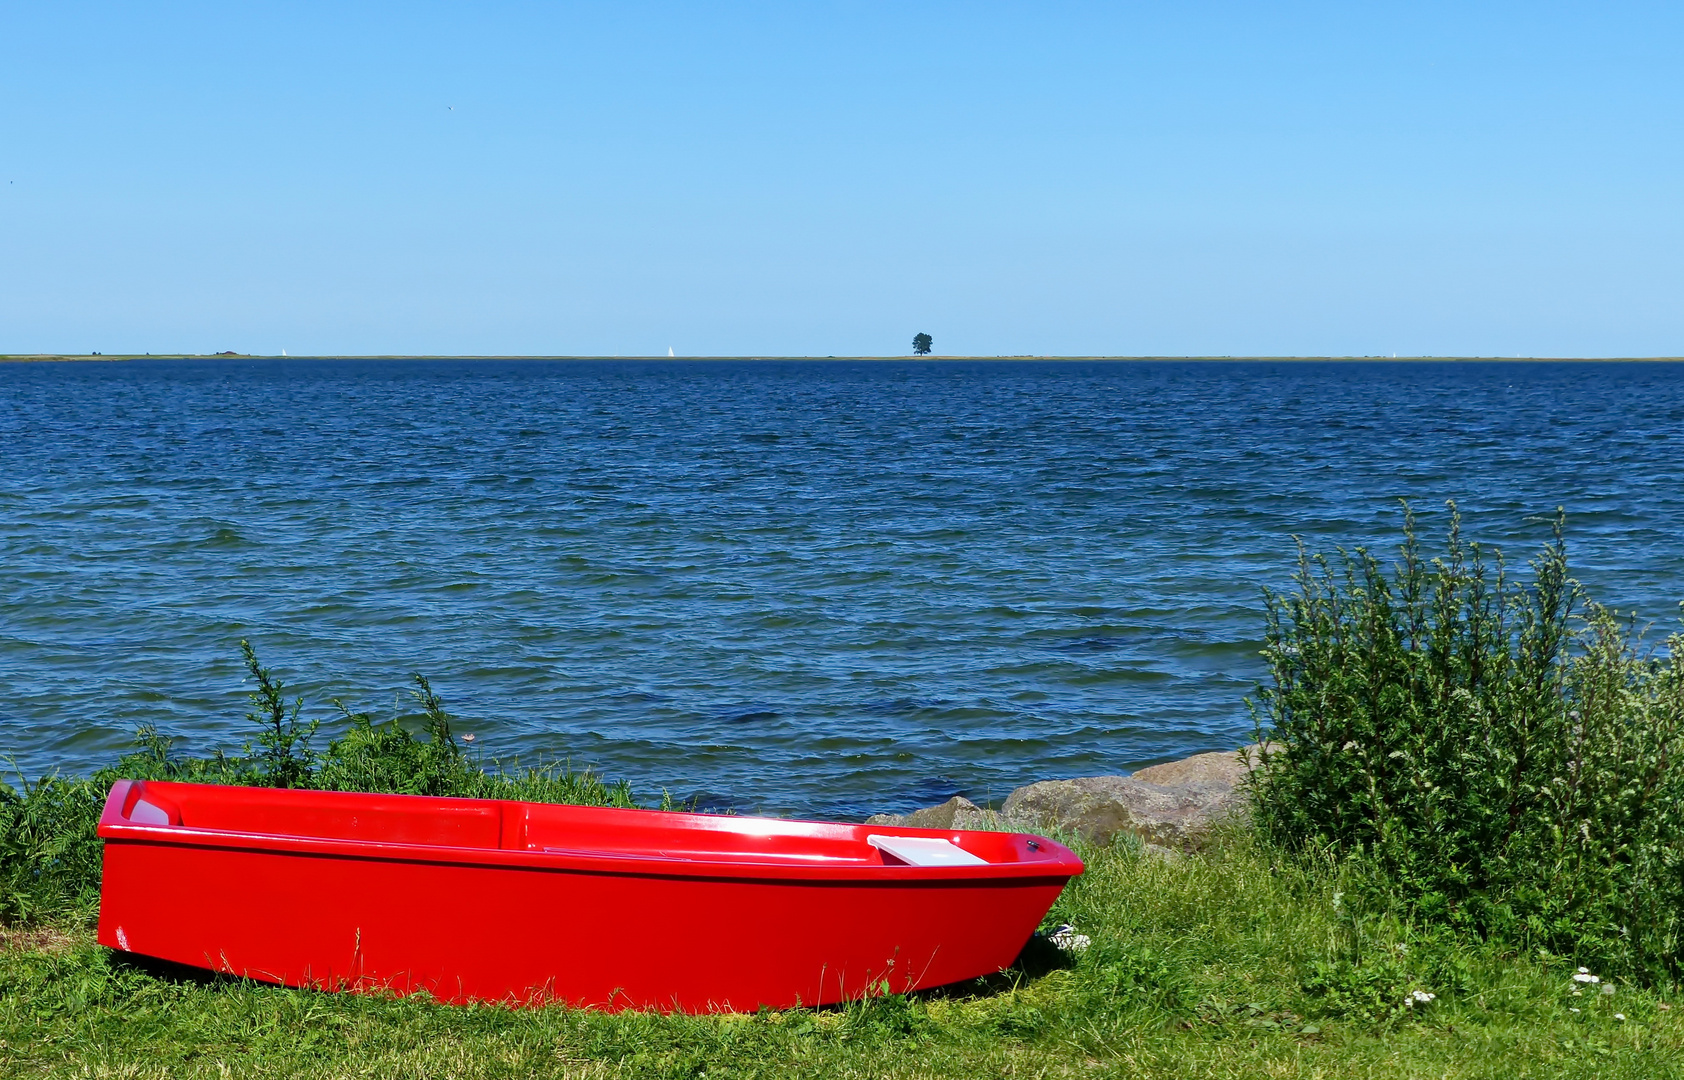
51 358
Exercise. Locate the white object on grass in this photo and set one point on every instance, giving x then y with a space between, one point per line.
925 850
1066 938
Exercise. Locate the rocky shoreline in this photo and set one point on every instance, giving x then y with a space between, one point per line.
1173 806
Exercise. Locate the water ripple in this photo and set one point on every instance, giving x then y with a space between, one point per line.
818 588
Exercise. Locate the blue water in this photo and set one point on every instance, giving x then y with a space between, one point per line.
824 588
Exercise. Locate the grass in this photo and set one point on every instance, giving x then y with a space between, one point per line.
1226 964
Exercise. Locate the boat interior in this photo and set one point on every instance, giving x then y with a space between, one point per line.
577 831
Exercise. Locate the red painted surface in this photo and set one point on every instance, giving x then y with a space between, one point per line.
486 900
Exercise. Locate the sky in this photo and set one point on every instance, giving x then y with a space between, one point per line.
831 178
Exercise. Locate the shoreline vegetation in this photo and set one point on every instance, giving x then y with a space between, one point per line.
1464 858
50 358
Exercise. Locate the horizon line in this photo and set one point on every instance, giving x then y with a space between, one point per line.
959 357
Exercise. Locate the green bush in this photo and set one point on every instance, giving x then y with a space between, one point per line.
49 854
50 849
1499 750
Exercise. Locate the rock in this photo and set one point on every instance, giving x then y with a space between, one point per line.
956 813
1173 805
1098 808
1216 768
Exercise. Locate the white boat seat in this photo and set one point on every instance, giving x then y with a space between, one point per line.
925 850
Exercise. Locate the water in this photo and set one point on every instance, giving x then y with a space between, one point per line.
816 588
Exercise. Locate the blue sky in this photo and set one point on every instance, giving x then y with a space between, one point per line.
811 178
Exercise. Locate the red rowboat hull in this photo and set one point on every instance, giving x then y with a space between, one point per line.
531 903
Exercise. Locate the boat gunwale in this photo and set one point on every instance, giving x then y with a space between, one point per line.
1062 864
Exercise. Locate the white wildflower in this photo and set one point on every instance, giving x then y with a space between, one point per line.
1607 988
1586 977
1421 997
1571 1009
1621 1017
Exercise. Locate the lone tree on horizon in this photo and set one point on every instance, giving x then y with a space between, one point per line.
921 344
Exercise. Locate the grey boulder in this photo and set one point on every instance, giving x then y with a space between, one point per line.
1099 808
1173 805
956 813
1222 767
1170 806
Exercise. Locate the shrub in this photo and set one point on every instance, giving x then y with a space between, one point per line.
48 851
1499 750
387 757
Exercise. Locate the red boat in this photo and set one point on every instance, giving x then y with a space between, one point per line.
529 903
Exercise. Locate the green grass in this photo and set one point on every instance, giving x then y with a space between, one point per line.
1220 965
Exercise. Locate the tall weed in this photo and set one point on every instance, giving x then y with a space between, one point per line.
1500 750
285 759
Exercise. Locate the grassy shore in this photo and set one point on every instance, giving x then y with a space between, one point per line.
1225 964
1464 860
